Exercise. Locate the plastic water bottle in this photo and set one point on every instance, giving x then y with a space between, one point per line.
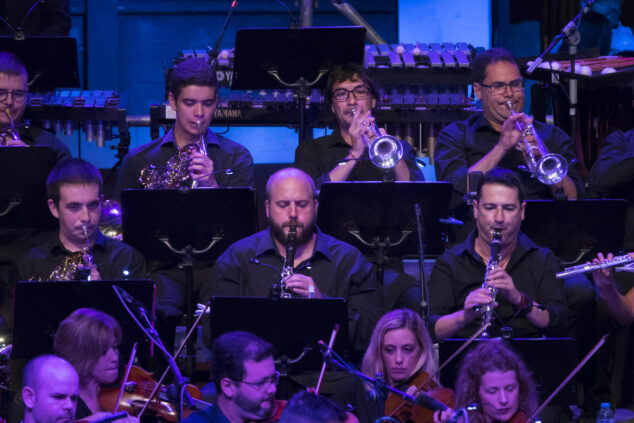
605 414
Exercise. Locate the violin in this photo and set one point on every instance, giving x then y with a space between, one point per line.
434 397
136 392
277 412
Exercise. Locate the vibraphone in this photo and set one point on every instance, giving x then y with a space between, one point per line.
604 100
94 112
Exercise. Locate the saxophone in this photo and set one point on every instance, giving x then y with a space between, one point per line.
280 290
494 261
75 266
175 174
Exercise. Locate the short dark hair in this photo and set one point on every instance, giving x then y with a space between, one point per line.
504 177
231 350
484 59
192 71
12 65
352 72
71 172
306 407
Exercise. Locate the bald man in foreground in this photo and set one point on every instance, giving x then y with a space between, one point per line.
323 266
50 390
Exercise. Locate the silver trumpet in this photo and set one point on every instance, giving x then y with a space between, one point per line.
589 267
385 150
494 261
548 168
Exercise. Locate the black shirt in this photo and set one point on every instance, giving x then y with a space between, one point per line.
461 270
320 156
41 138
225 154
463 144
112 257
250 266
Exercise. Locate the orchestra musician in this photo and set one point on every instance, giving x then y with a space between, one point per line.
612 176
620 306
89 340
74 188
50 390
193 95
244 375
14 89
489 139
400 350
343 156
529 299
322 265
495 379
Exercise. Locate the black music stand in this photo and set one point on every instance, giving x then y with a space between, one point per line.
197 223
576 230
23 199
297 58
50 61
293 326
379 216
35 320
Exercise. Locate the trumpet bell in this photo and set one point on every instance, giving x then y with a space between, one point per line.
551 169
385 151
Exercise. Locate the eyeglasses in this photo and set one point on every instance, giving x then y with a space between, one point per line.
359 92
18 95
500 87
264 384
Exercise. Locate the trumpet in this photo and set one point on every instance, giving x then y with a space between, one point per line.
10 131
385 150
494 261
589 267
548 168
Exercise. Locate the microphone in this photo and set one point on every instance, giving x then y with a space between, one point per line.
588 6
133 302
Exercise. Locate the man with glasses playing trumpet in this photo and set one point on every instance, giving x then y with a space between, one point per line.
13 98
493 138
343 155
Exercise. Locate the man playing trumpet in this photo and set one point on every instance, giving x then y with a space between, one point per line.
13 95
343 155
74 190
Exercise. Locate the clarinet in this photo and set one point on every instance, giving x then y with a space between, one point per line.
280 290
494 261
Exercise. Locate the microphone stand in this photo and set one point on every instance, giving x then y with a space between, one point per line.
150 332
573 37
424 288
213 53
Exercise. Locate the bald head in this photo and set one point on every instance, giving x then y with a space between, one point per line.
50 390
289 173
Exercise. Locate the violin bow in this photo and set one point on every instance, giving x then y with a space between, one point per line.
180 348
125 378
567 379
456 354
331 343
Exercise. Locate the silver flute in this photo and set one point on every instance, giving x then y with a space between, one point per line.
589 267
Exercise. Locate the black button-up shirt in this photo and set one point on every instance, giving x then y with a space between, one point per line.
225 154
250 266
112 257
320 156
461 270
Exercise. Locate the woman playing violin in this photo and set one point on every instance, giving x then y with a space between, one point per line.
400 349
496 379
89 340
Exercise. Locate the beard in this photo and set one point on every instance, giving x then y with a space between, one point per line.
253 408
303 236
